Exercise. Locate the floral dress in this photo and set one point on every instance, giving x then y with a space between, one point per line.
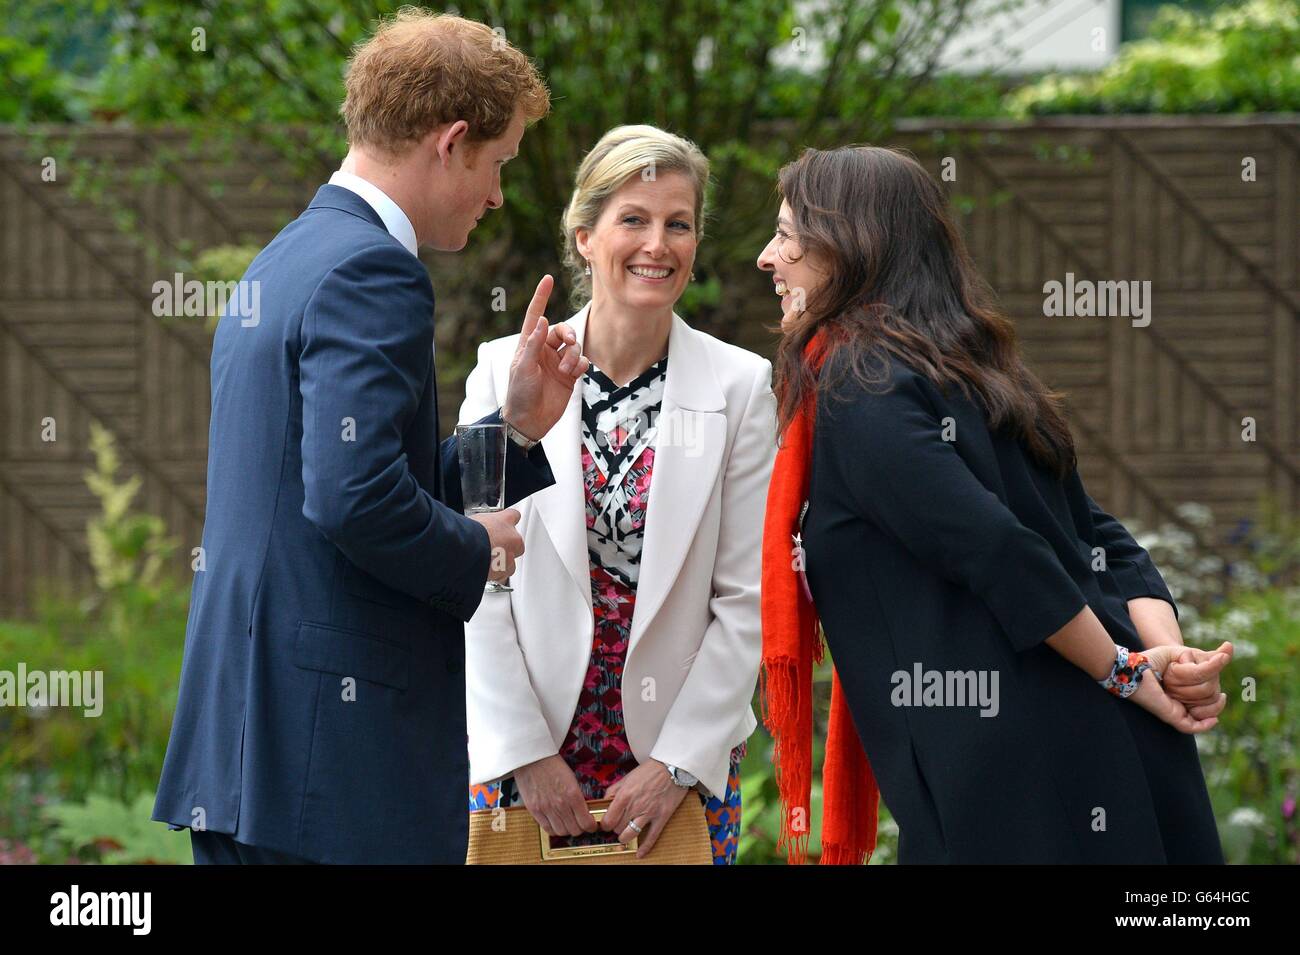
618 431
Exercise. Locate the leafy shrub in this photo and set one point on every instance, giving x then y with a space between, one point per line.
131 628
1250 757
223 263
1239 59
121 831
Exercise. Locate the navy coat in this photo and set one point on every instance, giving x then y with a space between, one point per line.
336 564
934 544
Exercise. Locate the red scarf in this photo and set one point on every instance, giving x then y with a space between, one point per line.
791 644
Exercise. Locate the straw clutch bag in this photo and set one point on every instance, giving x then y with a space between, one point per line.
513 837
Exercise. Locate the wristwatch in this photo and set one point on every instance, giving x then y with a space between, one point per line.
681 777
518 437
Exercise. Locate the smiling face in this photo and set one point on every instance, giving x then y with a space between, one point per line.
795 275
642 248
468 177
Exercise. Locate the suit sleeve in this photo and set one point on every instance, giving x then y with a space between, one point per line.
366 356
699 730
890 452
1127 562
503 715
526 472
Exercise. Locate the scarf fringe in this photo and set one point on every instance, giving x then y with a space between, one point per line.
778 690
835 854
779 679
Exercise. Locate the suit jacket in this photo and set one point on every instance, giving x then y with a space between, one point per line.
692 659
321 709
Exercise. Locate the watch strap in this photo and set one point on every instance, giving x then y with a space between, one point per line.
518 437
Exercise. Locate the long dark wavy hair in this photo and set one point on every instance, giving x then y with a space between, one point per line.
899 282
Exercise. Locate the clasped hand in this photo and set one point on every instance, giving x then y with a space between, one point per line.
646 796
1187 696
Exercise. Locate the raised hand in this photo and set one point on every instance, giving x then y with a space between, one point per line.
548 363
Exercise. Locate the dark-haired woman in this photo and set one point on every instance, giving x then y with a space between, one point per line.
926 508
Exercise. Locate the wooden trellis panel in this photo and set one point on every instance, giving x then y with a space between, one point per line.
1157 410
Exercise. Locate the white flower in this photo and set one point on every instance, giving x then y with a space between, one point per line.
1200 633
1248 576
1244 649
1247 817
1197 514
1237 620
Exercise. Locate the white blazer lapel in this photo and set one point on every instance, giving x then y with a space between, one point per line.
562 507
689 443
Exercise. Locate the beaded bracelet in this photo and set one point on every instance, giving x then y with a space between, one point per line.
1126 675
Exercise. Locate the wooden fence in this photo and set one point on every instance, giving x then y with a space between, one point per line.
1203 208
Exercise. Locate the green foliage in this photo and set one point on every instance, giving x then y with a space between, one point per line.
131 629
1240 59
121 831
126 549
32 86
962 96
223 263
45 55
1245 590
1252 757
836 71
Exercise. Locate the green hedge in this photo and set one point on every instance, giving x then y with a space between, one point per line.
1239 59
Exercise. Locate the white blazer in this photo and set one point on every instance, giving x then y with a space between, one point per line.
693 656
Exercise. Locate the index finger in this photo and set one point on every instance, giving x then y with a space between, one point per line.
613 814
586 821
537 307
574 814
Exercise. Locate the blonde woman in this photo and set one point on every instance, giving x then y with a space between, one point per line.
623 663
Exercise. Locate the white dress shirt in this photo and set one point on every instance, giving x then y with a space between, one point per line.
395 220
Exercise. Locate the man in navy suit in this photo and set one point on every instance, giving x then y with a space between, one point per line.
321 714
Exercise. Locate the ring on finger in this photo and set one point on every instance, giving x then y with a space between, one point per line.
631 824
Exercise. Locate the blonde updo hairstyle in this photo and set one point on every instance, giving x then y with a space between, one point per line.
624 152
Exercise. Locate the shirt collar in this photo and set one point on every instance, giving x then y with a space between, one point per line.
395 220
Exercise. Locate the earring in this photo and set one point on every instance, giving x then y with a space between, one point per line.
692 278
587 269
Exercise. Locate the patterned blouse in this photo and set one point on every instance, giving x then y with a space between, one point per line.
618 426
